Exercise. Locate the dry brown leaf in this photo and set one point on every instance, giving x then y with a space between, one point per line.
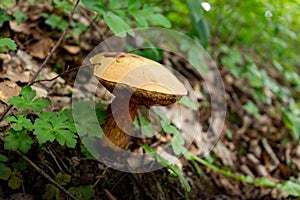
72 49
41 48
19 28
8 89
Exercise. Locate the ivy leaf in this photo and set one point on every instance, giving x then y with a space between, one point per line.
26 100
117 24
20 122
50 127
17 140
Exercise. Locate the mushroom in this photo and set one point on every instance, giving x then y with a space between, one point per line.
135 81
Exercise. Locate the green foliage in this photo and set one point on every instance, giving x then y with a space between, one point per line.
174 168
50 126
55 21
200 25
290 187
20 122
19 16
117 24
252 109
291 119
14 177
27 101
52 192
185 100
4 17
83 192
17 140
7 44
119 15
146 126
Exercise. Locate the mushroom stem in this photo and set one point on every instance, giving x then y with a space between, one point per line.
119 123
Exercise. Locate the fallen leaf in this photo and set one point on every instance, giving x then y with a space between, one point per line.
8 90
41 48
72 49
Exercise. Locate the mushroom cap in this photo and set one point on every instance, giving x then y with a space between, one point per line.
147 81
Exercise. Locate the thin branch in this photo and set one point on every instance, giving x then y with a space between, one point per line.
56 45
47 58
46 175
64 72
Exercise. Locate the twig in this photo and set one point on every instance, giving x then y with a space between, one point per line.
47 58
64 72
56 45
46 175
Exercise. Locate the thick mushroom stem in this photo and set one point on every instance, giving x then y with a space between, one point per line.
119 123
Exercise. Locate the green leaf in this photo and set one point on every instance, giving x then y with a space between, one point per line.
20 122
140 18
197 61
178 144
146 126
168 128
185 100
50 127
196 10
83 192
65 6
5 173
4 17
290 188
117 24
26 100
133 5
158 19
14 182
62 179
17 140
95 5
56 22
252 109
39 104
7 44
19 16
173 168
3 158
87 123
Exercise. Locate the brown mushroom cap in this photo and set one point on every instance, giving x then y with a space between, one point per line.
148 81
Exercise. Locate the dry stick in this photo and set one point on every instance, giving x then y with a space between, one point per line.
47 58
45 175
65 72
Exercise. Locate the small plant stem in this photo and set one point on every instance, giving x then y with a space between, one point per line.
45 175
229 174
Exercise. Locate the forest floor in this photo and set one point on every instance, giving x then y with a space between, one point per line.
248 145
